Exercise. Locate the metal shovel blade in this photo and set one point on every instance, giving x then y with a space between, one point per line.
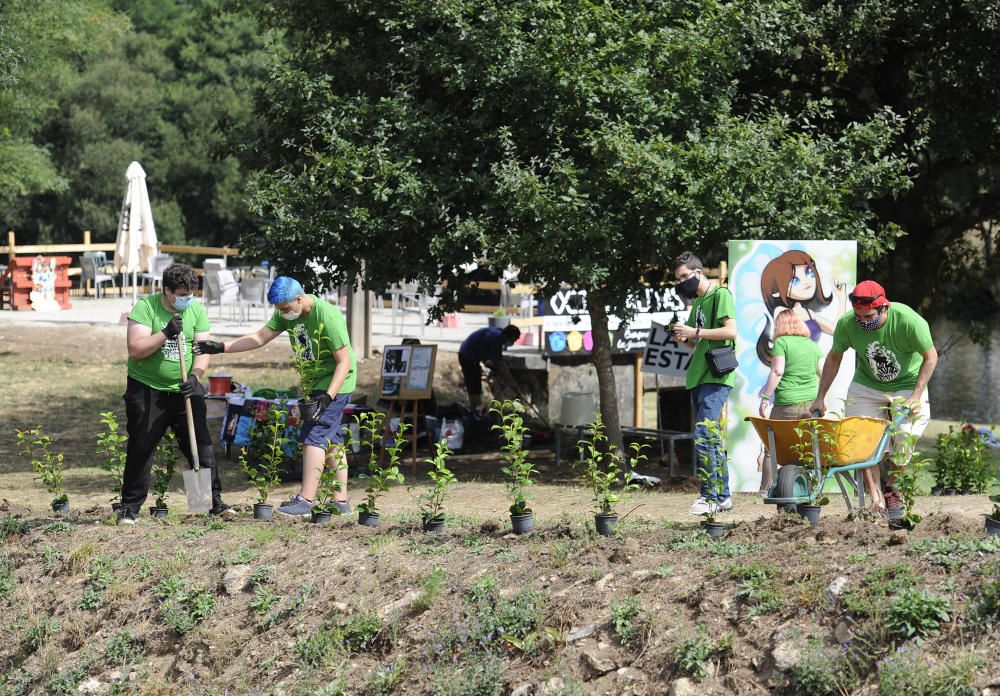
198 488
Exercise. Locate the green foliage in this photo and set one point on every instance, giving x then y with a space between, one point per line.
907 465
99 577
8 578
952 552
959 461
910 672
57 527
986 604
370 426
50 556
37 449
262 463
715 439
995 513
479 674
318 647
430 589
917 613
693 655
603 468
757 588
263 600
518 470
264 575
807 432
164 462
11 527
627 620
361 632
111 452
825 673
183 605
384 680
329 484
431 501
308 357
39 633
705 545
123 649
878 585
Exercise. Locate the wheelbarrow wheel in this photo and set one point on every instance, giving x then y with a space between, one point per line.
792 483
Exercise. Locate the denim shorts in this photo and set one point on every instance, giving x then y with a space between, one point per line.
327 429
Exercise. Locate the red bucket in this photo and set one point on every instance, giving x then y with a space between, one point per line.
219 384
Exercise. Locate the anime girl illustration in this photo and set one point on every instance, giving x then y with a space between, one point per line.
790 282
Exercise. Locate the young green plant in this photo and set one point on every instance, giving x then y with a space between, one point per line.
164 462
111 451
711 480
431 501
808 432
603 469
307 365
329 485
36 447
517 468
370 426
262 466
907 464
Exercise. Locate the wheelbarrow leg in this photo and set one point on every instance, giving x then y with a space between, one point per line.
859 483
839 477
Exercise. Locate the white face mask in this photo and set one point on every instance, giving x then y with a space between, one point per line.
290 316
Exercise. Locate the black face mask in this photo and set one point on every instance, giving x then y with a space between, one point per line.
689 287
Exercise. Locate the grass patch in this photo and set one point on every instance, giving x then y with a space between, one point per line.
430 589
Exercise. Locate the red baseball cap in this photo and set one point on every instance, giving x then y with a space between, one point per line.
868 294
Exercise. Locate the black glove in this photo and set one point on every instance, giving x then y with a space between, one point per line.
173 327
323 400
209 347
191 387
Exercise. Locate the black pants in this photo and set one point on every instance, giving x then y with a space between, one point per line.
150 413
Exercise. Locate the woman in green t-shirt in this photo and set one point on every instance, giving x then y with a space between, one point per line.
794 380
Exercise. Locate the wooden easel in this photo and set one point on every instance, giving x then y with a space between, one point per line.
400 405
407 394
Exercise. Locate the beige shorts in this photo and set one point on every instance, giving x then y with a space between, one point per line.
865 401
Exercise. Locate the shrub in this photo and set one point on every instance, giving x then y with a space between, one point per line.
917 613
370 426
603 468
37 449
518 470
111 452
262 460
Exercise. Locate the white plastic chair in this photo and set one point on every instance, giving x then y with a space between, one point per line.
90 269
155 275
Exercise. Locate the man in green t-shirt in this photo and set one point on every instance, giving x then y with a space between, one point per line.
319 329
154 394
710 324
894 362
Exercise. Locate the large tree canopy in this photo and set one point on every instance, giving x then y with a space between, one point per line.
583 142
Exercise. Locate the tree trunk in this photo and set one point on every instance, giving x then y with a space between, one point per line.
605 371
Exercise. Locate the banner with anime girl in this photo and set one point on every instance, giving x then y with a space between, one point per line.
810 279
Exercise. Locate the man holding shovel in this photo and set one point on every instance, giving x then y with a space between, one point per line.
162 329
319 330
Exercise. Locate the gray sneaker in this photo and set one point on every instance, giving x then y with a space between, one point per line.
127 517
296 507
342 507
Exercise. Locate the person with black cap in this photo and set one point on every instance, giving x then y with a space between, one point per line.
894 363
485 345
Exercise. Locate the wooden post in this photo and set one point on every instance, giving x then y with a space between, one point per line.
637 406
86 241
10 247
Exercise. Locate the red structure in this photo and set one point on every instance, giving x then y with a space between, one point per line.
23 284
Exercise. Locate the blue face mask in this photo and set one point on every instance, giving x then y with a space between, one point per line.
869 326
182 303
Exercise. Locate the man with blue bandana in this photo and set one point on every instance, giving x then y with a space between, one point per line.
319 328
154 394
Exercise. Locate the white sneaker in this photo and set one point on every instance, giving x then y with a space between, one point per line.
702 506
725 505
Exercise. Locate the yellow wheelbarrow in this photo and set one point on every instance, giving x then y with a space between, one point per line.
838 450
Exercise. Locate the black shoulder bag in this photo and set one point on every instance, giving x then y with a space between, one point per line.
721 361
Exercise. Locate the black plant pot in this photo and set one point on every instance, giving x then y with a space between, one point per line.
262 511
309 411
951 491
716 530
992 526
368 519
606 524
900 523
937 490
320 517
158 512
810 512
433 525
522 524
61 508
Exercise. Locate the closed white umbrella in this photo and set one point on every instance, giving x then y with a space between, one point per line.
135 246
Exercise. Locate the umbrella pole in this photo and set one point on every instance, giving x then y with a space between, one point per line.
134 291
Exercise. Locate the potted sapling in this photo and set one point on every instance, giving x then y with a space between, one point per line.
112 453
379 476
328 488
518 470
499 319
804 450
993 518
431 501
603 471
164 462
309 367
904 479
37 448
710 479
262 463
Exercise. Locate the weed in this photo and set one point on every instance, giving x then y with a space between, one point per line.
383 681
484 589
917 613
183 607
909 672
39 633
263 600
12 527
381 541
480 674
879 584
561 554
476 543
825 673
665 570
59 527
431 546
313 651
123 649
695 541
215 524
194 532
756 587
100 576
245 555
50 556
986 605
625 617
430 589
264 575
361 632
950 552
694 654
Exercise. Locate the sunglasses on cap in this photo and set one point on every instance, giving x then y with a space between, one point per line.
862 299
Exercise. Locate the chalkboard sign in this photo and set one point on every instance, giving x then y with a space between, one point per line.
407 372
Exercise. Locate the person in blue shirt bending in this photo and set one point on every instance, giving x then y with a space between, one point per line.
485 345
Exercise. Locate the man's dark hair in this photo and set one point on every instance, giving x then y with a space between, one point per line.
178 276
688 259
511 333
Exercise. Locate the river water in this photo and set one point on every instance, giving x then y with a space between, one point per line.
966 383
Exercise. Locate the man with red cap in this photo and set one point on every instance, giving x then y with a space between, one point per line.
894 362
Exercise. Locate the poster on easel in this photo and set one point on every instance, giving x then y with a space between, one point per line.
407 372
